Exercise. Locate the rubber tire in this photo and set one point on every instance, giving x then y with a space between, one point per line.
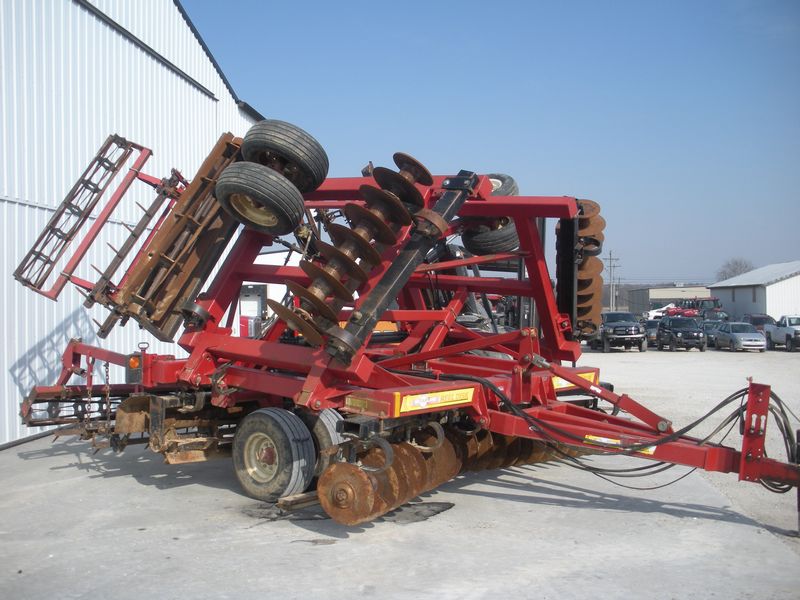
789 344
770 343
673 345
606 346
659 345
702 347
292 144
295 453
265 188
493 241
322 426
643 345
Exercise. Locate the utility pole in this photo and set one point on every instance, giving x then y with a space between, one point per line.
611 266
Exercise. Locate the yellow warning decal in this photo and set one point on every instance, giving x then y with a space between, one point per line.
415 402
604 441
560 384
596 439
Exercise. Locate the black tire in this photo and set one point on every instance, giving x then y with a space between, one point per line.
322 426
289 150
606 346
702 347
659 345
481 240
673 345
643 346
770 343
291 448
789 344
260 198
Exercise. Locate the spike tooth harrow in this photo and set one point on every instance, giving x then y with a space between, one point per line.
403 411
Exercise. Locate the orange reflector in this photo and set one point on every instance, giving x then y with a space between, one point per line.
134 362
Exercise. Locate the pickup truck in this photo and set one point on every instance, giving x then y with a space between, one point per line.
786 332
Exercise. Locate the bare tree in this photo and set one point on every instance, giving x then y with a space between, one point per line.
733 267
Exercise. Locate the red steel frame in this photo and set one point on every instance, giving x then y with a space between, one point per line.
380 377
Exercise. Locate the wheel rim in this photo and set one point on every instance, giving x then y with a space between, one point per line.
496 184
255 213
261 457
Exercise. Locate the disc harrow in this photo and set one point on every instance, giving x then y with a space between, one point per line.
323 399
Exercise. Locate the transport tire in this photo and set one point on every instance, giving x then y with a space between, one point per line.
482 240
260 198
289 150
273 454
322 426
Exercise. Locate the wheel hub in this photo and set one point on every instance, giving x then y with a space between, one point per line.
255 213
261 457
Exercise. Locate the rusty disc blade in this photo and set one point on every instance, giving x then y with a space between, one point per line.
589 208
342 235
346 494
319 304
485 448
387 202
497 456
592 226
332 253
590 267
316 272
388 490
413 167
414 465
296 323
393 182
525 448
357 214
513 450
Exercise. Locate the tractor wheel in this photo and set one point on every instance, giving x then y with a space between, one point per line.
481 240
260 198
288 150
322 426
273 454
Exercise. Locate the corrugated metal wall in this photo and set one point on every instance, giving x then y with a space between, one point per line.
68 80
783 298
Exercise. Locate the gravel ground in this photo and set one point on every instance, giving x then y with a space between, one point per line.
77 525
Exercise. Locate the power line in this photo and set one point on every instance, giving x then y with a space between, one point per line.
611 266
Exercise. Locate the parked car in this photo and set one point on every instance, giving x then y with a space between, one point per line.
620 329
650 329
710 329
740 336
758 320
658 313
786 332
680 332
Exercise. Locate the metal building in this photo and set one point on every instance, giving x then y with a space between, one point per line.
772 290
73 72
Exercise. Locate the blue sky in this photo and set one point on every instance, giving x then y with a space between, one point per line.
682 119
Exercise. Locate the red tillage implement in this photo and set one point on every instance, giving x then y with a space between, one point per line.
380 375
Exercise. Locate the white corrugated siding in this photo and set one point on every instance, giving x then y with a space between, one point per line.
68 81
783 298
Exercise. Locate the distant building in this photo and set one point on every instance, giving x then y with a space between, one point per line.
774 290
644 299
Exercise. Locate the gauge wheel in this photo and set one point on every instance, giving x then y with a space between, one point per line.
482 239
273 454
260 198
288 150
